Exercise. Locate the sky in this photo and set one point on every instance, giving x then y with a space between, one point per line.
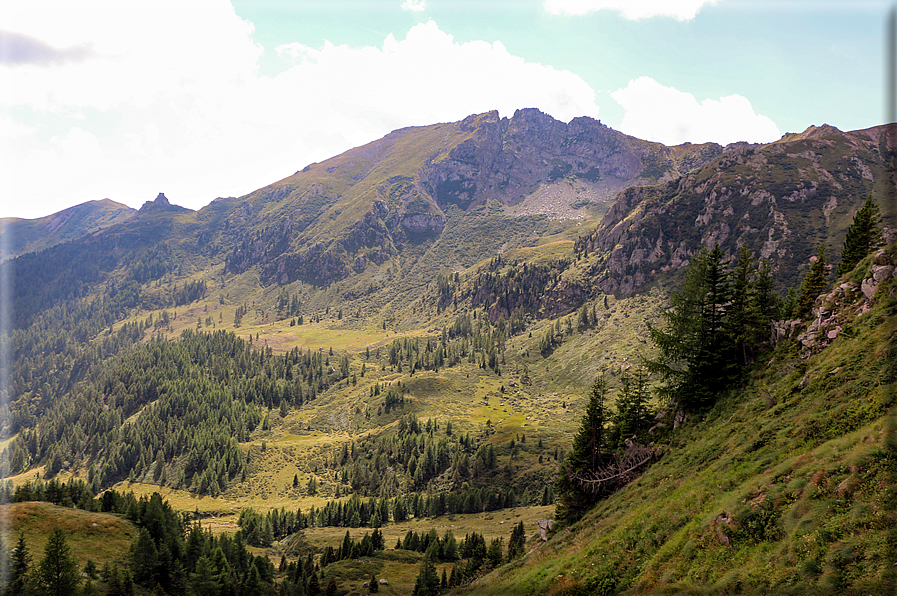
210 98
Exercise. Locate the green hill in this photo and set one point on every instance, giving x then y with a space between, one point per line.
100 537
32 235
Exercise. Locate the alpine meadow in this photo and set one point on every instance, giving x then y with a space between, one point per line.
503 355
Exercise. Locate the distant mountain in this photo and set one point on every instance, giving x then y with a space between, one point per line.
386 217
333 218
782 200
32 235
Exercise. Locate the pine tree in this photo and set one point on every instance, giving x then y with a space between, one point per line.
58 571
20 568
696 353
144 559
427 583
632 414
814 283
863 235
314 585
586 455
517 542
748 325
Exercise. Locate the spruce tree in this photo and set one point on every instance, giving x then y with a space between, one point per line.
314 585
863 235
814 283
58 571
586 455
144 559
331 587
696 352
20 568
427 583
632 414
748 326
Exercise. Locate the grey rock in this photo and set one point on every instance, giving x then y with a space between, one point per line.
423 222
881 272
868 287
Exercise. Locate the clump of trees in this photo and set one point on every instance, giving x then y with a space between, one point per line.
607 449
863 236
166 555
717 324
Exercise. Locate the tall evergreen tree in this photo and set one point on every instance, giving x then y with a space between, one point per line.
58 571
814 283
203 581
20 568
517 542
695 359
748 324
585 456
427 583
863 235
144 559
632 415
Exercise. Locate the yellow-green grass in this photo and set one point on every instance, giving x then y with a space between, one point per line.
492 524
785 485
299 444
100 537
399 567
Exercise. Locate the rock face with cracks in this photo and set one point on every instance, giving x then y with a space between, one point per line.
781 200
374 200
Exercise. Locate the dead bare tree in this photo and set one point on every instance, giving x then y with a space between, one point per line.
620 471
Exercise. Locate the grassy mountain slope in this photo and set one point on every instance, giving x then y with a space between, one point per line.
32 235
99 537
785 486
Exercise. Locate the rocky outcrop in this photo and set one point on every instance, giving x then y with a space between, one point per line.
832 312
422 222
507 159
161 205
781 200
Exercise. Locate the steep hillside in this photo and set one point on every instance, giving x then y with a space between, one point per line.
781 200
32 235
786 486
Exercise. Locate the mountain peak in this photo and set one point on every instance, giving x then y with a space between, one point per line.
160 204
812 132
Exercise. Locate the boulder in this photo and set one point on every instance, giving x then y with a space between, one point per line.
868 287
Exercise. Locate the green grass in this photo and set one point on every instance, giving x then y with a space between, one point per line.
796 497
100 537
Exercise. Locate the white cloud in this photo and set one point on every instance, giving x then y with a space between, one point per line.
414 5
670 116
683 10
170 100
